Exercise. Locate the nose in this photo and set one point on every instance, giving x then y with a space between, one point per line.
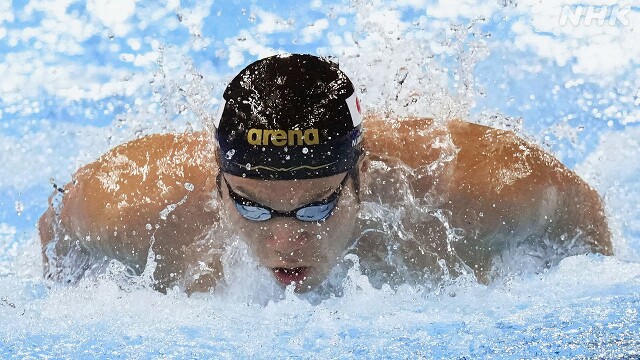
286 238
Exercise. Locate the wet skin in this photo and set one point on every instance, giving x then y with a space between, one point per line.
490 188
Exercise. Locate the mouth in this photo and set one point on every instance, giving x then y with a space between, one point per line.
290 275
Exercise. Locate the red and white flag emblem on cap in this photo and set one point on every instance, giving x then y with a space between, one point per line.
354 109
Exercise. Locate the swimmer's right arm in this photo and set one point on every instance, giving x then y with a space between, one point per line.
159 189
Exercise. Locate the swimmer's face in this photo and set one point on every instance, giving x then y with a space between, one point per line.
296 251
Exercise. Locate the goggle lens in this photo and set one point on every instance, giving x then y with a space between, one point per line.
253 213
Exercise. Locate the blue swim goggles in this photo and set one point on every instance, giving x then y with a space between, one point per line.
315 211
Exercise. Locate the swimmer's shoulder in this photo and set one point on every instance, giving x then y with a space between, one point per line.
480 159
504 174
491 159
151 163
136 179
420 141
410 140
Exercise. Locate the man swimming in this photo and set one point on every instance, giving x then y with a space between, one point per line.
293 174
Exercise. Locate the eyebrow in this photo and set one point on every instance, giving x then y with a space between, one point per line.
244 192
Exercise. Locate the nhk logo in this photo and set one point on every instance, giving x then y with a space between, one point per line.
585 15
282 138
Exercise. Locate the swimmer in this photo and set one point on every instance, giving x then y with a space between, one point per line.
292 172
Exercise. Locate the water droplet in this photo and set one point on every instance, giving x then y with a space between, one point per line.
248 166
230 154
19 207
401 75
148 227
305 150
189 186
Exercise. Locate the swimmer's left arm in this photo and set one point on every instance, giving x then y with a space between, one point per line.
507 190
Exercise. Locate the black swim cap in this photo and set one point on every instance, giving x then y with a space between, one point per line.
289 117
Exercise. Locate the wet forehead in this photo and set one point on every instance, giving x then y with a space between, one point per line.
285 194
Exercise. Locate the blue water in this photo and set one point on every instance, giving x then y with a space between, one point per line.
78 79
